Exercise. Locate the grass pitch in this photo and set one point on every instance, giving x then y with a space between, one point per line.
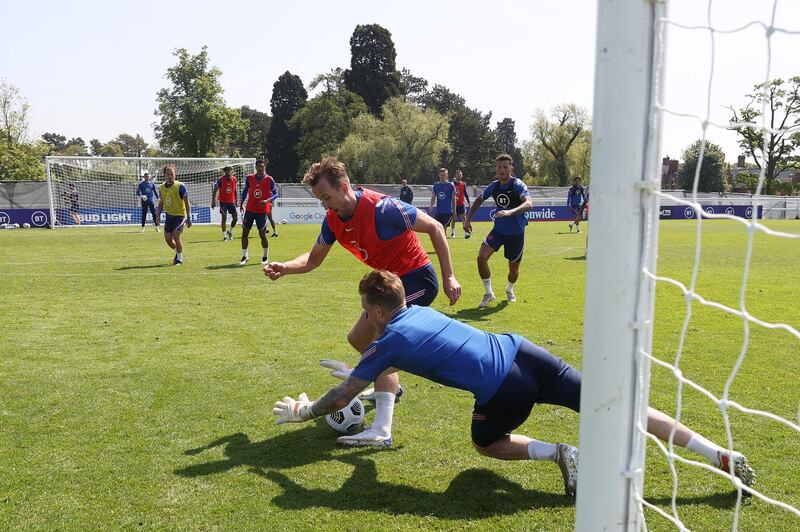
134 394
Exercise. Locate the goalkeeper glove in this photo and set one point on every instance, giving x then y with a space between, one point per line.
340 370
291 411
144 197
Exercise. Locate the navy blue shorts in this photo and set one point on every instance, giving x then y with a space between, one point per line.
227 208
174 223
260 218
460 210
513 245
421 286
536 376
444 218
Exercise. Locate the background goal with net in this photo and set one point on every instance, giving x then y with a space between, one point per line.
102 190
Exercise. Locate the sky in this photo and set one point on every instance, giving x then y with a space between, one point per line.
93 68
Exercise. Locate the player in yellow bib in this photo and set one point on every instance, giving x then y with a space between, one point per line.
175 201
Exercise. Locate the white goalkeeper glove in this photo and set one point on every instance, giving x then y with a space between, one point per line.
144 197
291 411
340 370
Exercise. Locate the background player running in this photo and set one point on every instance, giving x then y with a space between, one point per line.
259 190
225 186
175 200
443 199
576 199
462 203
512 202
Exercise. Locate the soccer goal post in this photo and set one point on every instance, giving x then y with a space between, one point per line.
621 279
103 190
625 163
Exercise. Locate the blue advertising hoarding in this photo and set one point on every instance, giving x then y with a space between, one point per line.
683 212
120 216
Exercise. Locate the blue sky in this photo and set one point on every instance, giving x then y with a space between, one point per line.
92 68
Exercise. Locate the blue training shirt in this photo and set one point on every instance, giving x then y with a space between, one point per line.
149 189
576 196
507 197
444 191
427 343
389 220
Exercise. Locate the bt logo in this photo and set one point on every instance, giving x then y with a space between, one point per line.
257 194
441 195
4 218
39 219
688 212
503 201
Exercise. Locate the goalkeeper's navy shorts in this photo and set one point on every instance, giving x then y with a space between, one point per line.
421 286
536 376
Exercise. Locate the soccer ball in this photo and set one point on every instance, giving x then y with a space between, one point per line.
26 225
284 221
467 235
347 418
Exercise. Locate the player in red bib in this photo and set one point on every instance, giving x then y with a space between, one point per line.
380 231
226 186
259 190
462 203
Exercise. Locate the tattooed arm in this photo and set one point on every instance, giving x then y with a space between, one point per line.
338 397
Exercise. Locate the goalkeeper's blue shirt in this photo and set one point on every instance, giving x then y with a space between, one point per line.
147 188
427 343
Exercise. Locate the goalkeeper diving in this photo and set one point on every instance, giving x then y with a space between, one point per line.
506 373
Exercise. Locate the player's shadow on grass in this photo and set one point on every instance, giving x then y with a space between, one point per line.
290 449
723 500
477 314
231 266
580 257
143 267
472 494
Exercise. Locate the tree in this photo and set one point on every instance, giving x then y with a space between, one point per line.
131 145
782 102
288 97
712 169
405 144
372 74
473 144
557 136
324 122
412 88
57 142
14 110
193 118
23 161
507 143
254 143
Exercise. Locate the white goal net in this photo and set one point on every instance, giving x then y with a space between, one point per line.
103 190
629 331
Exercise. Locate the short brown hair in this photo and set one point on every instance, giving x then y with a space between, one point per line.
174 170
382 288
329 168
504 157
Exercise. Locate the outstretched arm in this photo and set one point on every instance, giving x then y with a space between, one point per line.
302 264
472 210
290 410
426 224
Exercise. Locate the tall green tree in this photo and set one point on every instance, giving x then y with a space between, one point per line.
56 141
412 87
472 142
507 143
712 169
288 97
372 73
132 145
325 121
14 115
254 144
782 102
193 120
556 132
404 145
